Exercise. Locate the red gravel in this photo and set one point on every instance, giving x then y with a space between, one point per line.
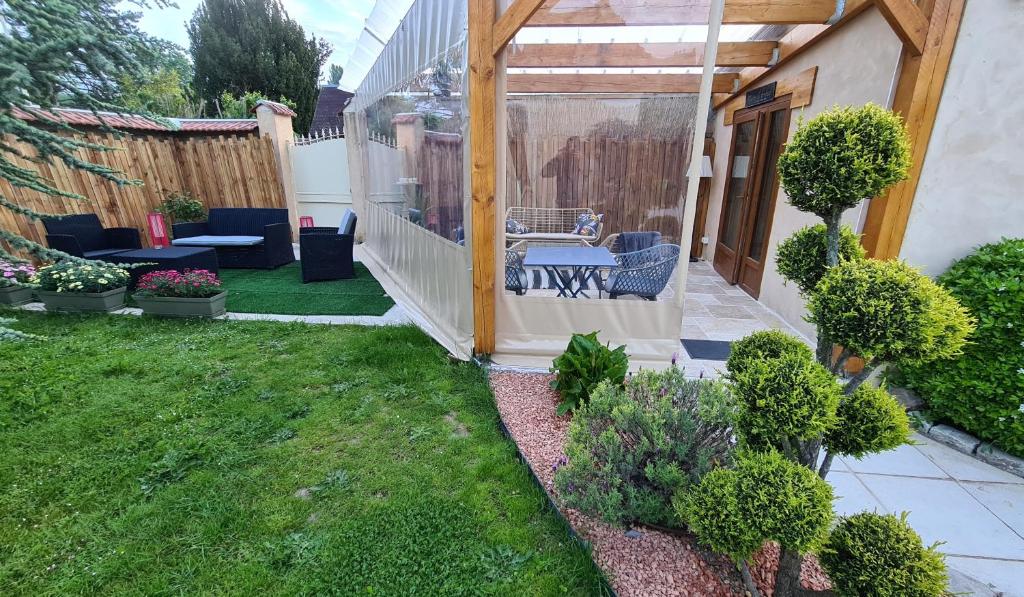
655 563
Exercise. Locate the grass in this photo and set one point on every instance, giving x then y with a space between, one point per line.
282 292
150 456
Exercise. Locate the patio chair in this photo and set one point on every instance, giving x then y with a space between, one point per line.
326 253
642 273
628 242
82 235
516 279
549 226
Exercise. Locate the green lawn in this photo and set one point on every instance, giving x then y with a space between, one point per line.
282 292
149 456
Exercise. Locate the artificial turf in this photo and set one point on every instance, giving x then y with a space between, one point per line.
281 291
146 456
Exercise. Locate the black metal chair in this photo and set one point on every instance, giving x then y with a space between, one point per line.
231 223
642 273
82 235
516 279
326 253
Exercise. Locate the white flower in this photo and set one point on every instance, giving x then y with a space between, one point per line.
1021 408
1020 371
103 280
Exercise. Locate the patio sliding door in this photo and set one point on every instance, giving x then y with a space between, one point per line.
759 135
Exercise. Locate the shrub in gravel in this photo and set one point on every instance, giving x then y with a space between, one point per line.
981 390
801 258
879 554
769 344
868 420
631 449
584 364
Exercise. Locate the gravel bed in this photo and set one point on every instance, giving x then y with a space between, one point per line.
649 562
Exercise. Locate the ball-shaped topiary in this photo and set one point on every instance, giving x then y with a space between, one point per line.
801 258
843 156
879 554
869 420
769 344
784 398
888 310
981 390
764 498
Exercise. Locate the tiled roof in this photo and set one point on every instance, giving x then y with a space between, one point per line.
329 105
275 107
76 117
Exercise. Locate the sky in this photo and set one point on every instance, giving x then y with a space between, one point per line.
337 21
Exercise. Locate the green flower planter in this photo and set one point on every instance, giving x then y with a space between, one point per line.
110 300
15 295
167 306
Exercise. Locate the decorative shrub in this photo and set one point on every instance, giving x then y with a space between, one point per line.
889 311
879 554
765 498
981 390
801 258
770 344
785 398
15 274
78 277
182 206
198 283
630 449
867 421
584 364
843 156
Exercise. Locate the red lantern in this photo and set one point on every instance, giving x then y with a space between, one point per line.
158 231
306 222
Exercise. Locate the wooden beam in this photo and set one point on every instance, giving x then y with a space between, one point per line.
482 99
608 83
587 13
747 53
512 21
800 86
907 21
887 216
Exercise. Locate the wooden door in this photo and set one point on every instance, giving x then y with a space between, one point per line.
759 136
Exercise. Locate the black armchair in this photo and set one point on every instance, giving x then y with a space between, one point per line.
82 235
643 273
326 253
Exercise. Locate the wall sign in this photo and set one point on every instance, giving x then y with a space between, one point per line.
761 95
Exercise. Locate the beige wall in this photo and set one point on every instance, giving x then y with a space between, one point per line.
856 65
971 184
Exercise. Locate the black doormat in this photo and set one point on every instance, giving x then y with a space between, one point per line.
708 350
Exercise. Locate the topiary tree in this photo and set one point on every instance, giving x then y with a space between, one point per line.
766 497
803 257
879 554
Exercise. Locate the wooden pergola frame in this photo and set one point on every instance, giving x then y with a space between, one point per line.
927 29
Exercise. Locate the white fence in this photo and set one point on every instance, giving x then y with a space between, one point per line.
321 177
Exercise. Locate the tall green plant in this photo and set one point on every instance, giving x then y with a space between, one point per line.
584 364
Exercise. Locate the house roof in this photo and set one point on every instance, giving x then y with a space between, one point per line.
329 105
275 107
78 117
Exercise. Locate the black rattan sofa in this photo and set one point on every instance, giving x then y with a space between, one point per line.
326 253
82 235
243 237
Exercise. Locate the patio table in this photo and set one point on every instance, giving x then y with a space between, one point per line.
570 267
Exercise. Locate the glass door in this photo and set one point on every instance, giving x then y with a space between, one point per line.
758 139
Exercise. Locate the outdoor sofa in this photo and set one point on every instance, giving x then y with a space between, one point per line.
244 237
82 235
325 253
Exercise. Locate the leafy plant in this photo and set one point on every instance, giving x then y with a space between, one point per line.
15 273
584 364
768 344
182 206
802 258
869 420
981 390
879 554
198 283
766 497
631 449
94 276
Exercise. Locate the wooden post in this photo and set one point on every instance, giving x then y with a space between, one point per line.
482 142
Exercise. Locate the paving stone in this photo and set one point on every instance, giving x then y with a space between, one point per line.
960 466
962 584
965 442
1005 500
999 459
1006 577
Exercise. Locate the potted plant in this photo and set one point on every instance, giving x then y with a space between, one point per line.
82 286
15 285
192 293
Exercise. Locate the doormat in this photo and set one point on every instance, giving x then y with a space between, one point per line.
708 350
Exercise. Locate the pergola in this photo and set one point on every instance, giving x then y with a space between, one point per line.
927 29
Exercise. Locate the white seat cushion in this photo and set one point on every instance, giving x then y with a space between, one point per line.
217 241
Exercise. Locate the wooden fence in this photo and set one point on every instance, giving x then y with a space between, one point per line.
220 171
441 177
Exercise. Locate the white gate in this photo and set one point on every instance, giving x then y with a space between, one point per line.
320 171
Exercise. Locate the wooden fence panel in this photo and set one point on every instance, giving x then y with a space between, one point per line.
221 172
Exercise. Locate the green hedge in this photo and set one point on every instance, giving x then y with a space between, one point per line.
982 390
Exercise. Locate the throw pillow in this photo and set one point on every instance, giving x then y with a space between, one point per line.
586 224
514 227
